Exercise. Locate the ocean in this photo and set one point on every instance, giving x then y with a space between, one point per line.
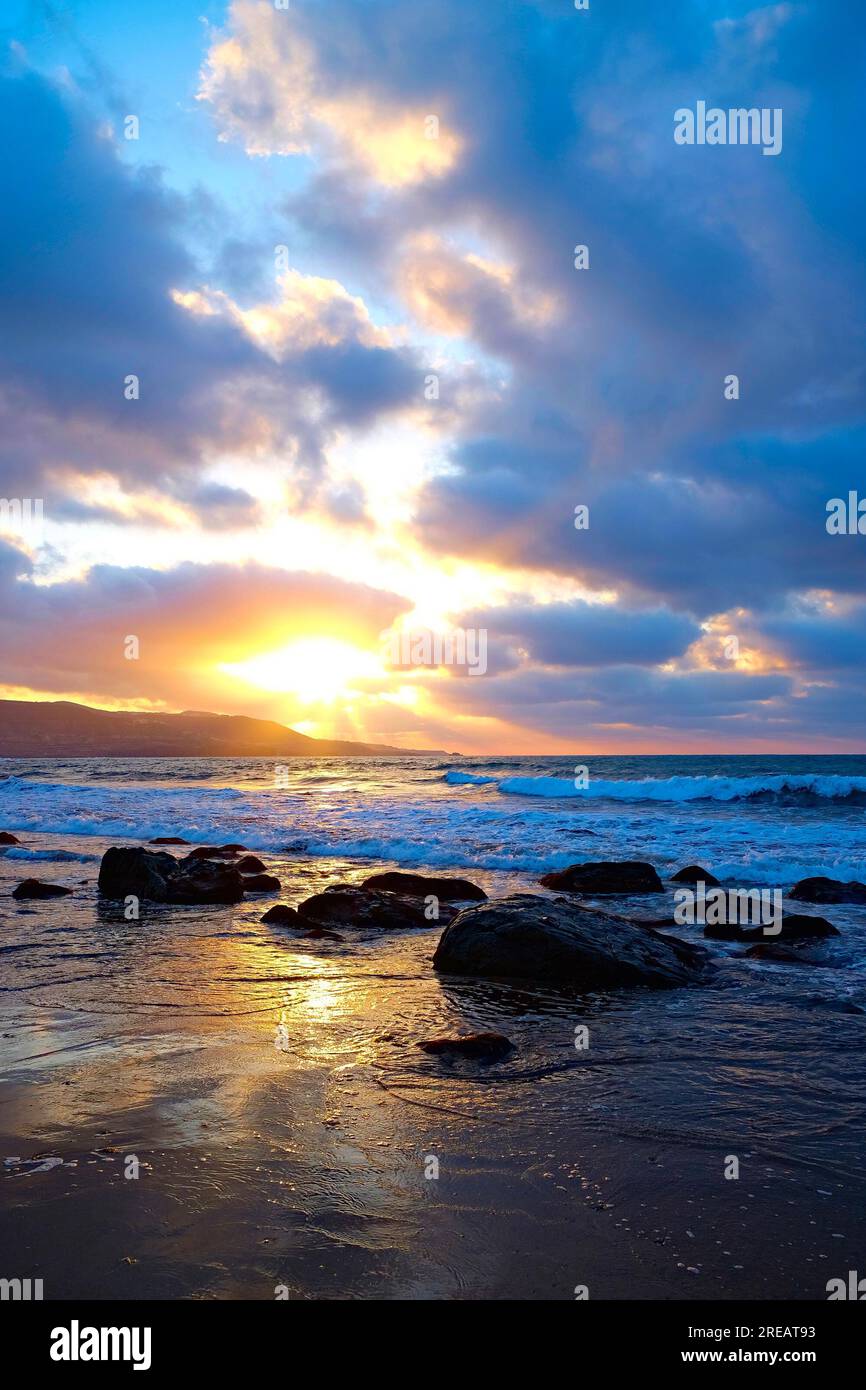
757 820
272 1090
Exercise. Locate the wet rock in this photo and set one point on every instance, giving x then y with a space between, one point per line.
721 931
420 886
485 1045
34 888
828 890
281 916
168 840
770 951
156 876
215 852
693 873
352 906
630 876
322 933
796 926
250 864
6 838
261 883
529 937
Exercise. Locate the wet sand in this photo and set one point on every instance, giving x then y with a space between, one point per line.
284 1120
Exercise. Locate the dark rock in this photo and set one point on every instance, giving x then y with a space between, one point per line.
471 1045
769 950
250 864
281 916
168 840
828 890
720 931
796 926
630 876
260 883
321 933
419 886
351 906
159 877
530 937
215 852
693 873
34 888
6 838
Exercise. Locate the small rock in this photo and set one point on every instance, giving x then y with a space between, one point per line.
215 852
250 864
420 886
168 840
261 883
33 888
629 876
471 1045
281 915
693 873
828 890
8 839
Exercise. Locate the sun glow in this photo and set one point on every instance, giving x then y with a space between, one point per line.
317 670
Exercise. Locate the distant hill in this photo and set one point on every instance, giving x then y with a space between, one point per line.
61 729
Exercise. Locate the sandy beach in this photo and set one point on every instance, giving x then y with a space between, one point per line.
271 1095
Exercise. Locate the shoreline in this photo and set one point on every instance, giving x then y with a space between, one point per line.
302 1164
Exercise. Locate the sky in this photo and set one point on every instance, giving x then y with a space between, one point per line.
299 361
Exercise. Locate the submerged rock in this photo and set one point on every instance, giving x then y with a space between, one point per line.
168 840
828 890
158 877
261 883
281 915
529 937
420 886
693 873
471 1045
7 838
804 954
352 906
34 888
630 876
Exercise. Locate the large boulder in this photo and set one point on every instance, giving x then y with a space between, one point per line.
630 876
419 886
558 940
160 878
352 906
828 890
34 888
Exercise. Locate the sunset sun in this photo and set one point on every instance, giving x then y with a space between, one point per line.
316 670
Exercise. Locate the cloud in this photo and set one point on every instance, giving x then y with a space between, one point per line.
270 87
69 637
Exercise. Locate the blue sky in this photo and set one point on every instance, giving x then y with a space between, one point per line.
285 478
